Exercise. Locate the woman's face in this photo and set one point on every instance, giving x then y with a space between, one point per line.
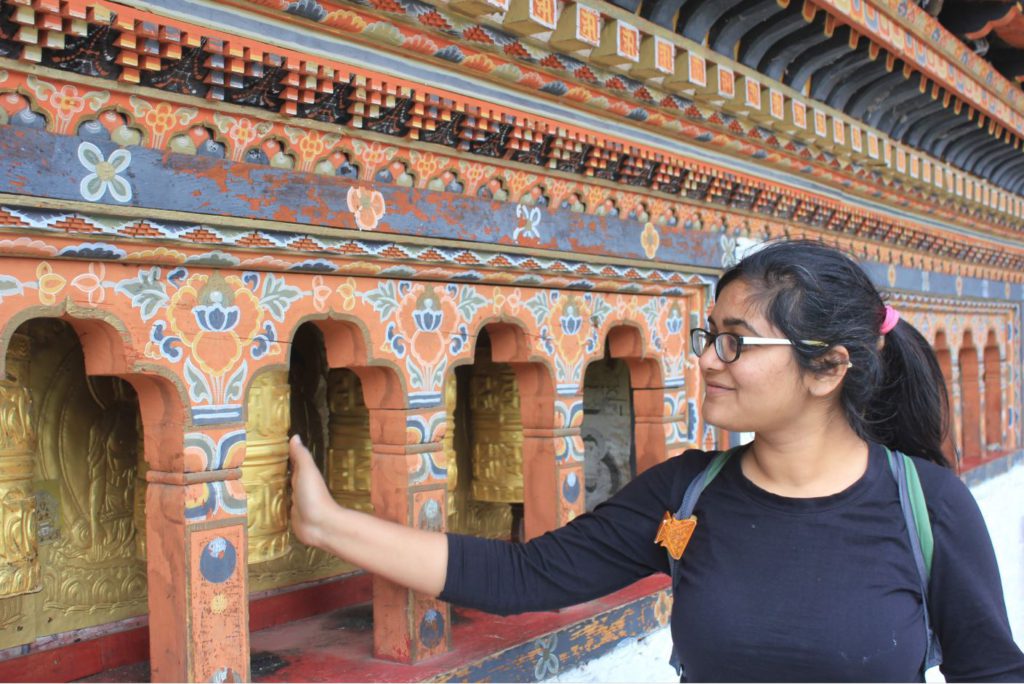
763 389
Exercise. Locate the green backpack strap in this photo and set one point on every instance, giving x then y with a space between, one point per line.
919 508
922 543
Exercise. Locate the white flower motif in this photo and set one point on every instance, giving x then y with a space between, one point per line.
528 223
103 174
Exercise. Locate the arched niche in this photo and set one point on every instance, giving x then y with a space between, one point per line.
315 403
970 399
496 470
78 424
607 429
626 342
994 436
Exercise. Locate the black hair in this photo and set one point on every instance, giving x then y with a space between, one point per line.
894 395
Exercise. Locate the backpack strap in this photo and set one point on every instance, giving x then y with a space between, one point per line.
686 508
922 543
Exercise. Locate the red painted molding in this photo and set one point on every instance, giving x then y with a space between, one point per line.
91 656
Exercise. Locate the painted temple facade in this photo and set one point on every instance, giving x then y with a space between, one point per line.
456 245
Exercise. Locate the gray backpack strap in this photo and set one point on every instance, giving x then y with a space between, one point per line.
915 515
686 508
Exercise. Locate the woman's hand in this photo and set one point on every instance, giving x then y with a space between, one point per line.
311 500
412 558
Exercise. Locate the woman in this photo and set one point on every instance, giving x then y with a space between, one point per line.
801 568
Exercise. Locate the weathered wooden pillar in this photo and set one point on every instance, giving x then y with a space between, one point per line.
196 544
655 427
552 452
409 486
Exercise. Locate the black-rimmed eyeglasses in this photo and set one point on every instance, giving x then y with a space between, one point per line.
729 345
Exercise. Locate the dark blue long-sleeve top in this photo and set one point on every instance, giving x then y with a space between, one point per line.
773 588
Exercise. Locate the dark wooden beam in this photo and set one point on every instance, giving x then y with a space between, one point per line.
777 60
726 34
984 166
662 12
698 16
949 137
905 115
813 58
987 148
884 94
756 42
826 78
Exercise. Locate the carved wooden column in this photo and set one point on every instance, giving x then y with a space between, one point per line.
196 545
19 560
552 453
408 486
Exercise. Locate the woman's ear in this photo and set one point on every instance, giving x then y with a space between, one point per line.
834 365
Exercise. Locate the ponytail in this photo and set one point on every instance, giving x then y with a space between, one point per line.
910 410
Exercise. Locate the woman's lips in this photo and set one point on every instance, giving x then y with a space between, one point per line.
712 390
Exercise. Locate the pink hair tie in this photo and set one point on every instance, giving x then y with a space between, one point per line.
892 317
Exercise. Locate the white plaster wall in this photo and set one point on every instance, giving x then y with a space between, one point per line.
1002 503
1001 500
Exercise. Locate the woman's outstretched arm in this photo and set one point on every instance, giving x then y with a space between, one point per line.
412 558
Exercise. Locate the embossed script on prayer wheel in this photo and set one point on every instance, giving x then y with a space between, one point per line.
448 444
497 434
265 470
351 449
19 560
139 505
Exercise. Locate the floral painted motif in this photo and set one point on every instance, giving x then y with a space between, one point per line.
241 131
367 205
161 118
50 284
650 240
67 102
528 223
310 145
547 664
103 173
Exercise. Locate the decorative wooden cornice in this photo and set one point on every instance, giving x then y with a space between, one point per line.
753 106
192 61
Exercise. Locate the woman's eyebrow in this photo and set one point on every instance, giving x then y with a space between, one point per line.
739 323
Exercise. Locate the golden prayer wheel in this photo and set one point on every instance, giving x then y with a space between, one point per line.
497 430
350 453
265 470
139 504
448 443
19 558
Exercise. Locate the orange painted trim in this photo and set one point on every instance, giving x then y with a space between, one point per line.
997 24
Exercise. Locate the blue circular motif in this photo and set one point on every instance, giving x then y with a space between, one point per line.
431 628
430 516
218 560
571 488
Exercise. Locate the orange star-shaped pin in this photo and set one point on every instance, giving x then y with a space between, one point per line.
675 534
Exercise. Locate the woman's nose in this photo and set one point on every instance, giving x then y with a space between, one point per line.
709 359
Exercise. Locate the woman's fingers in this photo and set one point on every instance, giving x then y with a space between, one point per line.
310 496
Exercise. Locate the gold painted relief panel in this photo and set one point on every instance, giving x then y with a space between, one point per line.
83 489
